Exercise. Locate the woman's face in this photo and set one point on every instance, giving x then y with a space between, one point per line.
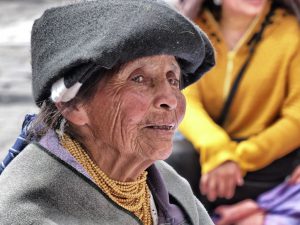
137 110
249 8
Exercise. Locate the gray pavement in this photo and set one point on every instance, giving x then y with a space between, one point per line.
16 19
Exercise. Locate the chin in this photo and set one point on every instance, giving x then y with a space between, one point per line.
254 11
255 8
162 154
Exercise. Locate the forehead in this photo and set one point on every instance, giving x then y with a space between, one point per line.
154 62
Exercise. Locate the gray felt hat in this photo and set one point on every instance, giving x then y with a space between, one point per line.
111 32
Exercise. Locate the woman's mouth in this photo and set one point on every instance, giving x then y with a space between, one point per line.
162 127
255 2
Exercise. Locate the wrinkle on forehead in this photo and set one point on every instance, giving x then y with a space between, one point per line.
140 62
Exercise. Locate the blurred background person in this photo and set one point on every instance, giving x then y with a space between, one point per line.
243 117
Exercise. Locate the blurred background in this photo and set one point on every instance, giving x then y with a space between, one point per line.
16 19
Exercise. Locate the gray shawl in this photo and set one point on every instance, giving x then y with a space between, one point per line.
39 188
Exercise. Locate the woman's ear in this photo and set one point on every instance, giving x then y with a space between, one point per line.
75 114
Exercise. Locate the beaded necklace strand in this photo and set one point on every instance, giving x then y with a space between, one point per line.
133 196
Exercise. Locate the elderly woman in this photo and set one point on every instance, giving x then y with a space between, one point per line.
110 98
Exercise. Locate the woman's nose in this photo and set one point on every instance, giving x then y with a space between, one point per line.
165 97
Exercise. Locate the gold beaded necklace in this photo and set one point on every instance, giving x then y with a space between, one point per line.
133 196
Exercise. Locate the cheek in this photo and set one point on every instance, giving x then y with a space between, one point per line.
135 106
101 115
181 106
252 9
103 110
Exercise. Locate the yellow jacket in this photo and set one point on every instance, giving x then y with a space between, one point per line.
266 107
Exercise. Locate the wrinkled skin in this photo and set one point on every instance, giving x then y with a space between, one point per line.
130 121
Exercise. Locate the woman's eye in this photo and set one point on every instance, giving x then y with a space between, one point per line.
174 82
138 79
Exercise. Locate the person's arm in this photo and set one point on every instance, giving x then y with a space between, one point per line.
295 177
217 150
281 137
212 141
240 213
220 172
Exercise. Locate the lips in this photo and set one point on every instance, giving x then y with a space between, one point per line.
256 2
169 125
162 127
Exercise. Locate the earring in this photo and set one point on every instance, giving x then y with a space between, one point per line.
217 2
